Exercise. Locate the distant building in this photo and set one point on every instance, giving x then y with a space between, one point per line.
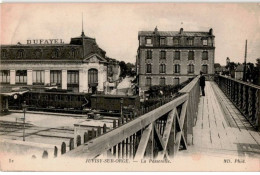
80 66
239 72
172 57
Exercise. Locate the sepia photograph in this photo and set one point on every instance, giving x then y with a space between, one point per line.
130 86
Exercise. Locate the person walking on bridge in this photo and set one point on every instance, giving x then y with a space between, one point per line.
202 83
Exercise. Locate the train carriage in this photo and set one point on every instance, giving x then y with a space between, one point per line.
113 102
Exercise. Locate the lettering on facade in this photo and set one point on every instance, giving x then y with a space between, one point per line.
45 41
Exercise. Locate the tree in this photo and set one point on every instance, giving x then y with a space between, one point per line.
123 69
231 67
126 69
256 72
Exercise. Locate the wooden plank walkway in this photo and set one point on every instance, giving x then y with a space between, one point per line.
220 129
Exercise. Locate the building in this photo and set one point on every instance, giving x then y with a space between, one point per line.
80 66
172 57
239 72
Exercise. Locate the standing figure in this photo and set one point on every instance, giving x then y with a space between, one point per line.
202 83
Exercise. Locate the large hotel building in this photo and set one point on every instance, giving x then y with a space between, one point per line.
80 66
172 57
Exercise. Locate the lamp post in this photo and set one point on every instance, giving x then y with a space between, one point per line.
24 106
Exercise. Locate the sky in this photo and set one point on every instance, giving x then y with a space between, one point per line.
115 26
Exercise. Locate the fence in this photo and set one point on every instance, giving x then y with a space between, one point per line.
158 131
245 96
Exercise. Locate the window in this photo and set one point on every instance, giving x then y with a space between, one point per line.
21 76
55 53
148 81
149 54
177 55
93 77
163 54
176 81
55 77
177 68
205 69
205 42
148 41
38 53
162 41
38 77
191 55
73 53
176 41
190 42
190 68
148 68
204 55
162 81
20 54
4 53
73 77
4 76
162 68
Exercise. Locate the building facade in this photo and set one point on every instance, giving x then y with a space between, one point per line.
80 66
172 57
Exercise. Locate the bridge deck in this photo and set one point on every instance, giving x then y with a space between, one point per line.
220 129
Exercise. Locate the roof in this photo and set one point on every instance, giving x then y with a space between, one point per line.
37 45
174 33
52 52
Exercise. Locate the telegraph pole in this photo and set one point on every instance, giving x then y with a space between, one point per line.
244 72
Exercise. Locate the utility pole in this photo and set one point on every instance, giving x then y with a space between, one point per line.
244 71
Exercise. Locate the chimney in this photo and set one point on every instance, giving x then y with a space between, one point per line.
211 31
181 31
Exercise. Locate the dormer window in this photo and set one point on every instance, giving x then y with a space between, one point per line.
176 41
55 53
190 41
148 40
73 53
20 54
38 53
4 53
162 41
205 42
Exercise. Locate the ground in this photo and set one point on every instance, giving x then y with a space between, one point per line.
40 128
42 132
